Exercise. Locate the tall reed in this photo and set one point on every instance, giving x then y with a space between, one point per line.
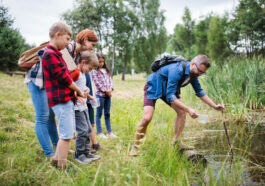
239 83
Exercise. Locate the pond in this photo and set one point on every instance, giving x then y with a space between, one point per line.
248 143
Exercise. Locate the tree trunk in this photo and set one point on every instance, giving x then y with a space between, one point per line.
124 70
113 59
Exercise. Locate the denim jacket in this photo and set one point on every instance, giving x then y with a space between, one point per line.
167 80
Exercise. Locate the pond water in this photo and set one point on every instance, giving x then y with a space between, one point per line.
248 146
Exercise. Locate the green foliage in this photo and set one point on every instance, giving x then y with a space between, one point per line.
12 43
217 46
201 35
184 37
248 26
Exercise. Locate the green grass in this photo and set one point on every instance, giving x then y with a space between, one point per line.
22 161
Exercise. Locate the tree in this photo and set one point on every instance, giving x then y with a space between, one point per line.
151 36
201 39
12 43
184 37
248 28
217 43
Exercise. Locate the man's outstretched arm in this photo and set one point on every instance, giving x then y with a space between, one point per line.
209 102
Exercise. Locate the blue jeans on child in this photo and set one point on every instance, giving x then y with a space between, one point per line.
105 103
45 125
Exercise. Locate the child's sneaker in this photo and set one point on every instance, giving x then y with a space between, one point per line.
92 157
101 135
83 159
97 147
111 135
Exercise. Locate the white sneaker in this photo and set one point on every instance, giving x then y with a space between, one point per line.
103 136
111 135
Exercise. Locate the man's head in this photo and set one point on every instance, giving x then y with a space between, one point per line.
199 65
87 39
87 61
60 34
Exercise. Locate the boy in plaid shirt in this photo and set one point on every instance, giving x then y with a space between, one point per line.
60 89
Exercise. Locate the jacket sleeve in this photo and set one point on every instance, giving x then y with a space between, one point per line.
197 88
174 75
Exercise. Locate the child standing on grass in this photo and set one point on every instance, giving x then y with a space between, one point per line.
86 62
60 89
95 146
102 79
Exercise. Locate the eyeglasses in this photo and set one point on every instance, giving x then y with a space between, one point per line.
201 72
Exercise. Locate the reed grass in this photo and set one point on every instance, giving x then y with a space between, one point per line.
239 83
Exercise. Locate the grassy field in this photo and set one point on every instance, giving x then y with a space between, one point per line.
22 161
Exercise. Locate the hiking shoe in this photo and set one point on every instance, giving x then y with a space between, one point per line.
83 159
183 146
92 157
97 147
134 151
101 135
111 135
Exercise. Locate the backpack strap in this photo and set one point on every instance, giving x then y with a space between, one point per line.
183 75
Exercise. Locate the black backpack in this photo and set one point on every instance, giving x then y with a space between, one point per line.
158 63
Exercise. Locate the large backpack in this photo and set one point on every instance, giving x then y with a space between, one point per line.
31 57
158 63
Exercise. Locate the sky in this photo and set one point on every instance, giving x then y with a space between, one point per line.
34 17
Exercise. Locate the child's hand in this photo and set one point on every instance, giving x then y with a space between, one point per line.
79 93
81 100
87 90
108 92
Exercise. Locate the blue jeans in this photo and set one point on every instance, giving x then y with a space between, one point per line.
45 125
65 114
105 103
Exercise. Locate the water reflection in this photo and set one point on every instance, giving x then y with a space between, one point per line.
249 150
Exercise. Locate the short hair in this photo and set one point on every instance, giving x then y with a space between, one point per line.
60 27
89 57
86 35
202 60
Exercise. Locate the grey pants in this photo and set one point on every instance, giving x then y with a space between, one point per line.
83 129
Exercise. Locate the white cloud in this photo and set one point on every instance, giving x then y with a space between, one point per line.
175 9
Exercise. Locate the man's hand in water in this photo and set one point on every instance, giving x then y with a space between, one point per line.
220 107
193 113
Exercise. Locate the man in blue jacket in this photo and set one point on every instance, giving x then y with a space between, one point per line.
165 84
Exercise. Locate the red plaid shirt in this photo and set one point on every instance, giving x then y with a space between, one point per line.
57 77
